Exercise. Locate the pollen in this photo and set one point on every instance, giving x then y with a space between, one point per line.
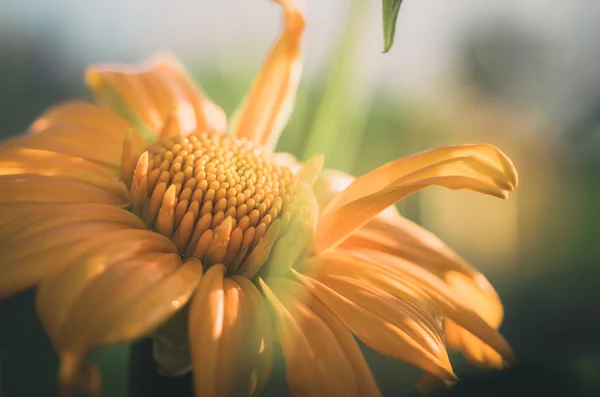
222 200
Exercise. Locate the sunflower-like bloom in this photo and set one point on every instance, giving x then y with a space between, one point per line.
147 215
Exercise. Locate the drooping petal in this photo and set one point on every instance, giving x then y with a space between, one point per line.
19 161
229 334
80 129
39 244
407 240
391 233
480 168
32 188
403 326
322 358
155 94
266 108
394 275
474 349
113 297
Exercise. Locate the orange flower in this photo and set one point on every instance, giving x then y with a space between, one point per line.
122 220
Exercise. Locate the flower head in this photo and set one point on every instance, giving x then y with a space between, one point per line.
146 215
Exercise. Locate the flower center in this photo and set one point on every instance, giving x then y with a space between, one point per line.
222 200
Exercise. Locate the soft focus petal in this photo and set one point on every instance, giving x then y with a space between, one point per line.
19 161
322 359
480 168
474 349
464 281
403 325
31 188
230 338
407 240
89 305
391 233
80 129
392 274
47 238
158 96
265 110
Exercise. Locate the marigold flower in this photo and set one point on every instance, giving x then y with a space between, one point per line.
163 221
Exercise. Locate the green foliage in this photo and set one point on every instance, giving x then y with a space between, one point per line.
390 15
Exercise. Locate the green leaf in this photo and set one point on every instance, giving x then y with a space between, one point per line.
390 15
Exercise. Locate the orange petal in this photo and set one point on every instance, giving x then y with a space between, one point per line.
398 277
268 105
480 168
80 129
407 240
86 262
152 93
331 183
94 304
156 305
18 161
229 336
49 242
406 328
391 233
30 188
320 359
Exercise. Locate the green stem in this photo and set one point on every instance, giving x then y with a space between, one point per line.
339 121
144 380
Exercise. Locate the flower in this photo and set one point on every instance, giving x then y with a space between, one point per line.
146 215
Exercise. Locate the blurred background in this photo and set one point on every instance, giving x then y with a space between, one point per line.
520 74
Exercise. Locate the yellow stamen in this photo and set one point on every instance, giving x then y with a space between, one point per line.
220 199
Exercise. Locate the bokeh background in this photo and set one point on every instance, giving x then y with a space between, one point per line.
520 74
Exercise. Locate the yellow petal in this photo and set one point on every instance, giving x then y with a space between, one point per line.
429 385
78 283
329 184
474 349
399 277
80 129
405 328
152 93
229 334
480 168
207 313
19 161
44 244
407 240
155 306
322 359
129 299
362 373
30 188
391 233
266 108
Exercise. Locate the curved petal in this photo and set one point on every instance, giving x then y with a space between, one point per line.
230 336
480 168
268 105
407 240
331 183
19 161
158 96
20 189
112 297
80 129
391 233
403 325
393 275
322 359
41 242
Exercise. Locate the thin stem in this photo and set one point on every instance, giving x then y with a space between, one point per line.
144 380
